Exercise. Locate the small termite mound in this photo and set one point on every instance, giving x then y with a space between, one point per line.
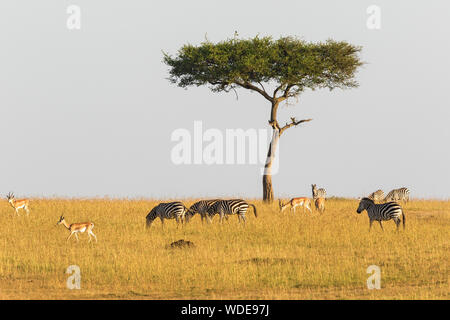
181 244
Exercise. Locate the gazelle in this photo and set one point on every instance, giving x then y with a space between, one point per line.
74 228
295 202
319 203
18 204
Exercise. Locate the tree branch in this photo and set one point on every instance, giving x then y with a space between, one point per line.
286 92
274 124
293 123
276 91
248 85
237 97
262 86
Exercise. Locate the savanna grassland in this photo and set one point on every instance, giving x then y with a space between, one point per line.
276 256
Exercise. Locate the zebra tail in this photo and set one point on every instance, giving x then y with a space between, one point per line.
254 210
404 219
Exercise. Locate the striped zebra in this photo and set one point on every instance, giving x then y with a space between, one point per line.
401 194
200 207
376 195
382 212
318 193
229 207
172 210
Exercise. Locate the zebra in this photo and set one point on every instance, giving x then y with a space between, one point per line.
201 207
382 212
229 207
401 194
171 210
318 193
376 195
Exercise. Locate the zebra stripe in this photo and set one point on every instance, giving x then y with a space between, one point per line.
230 207
200 207
318 193
172 210
401 194
382 212
376 195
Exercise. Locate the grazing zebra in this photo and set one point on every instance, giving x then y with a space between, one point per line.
318 193
200 207
382 212
401 194
172 210
376 196
229 207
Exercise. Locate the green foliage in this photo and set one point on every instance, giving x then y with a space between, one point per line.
292 64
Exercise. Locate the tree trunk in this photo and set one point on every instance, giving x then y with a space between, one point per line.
267 189
267 177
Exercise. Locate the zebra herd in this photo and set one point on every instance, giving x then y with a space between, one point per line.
388 210
207 209
401 194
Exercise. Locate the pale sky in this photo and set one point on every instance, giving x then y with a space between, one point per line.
90 112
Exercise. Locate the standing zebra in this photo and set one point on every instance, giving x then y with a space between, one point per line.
172 210
200 207
376 196
382 212
229 207
401 194
318 193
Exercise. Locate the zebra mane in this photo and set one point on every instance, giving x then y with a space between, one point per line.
367 199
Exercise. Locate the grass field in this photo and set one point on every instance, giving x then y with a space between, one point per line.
276 256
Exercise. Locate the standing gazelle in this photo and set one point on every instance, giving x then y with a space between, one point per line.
18 204
319 203
295 202
74 228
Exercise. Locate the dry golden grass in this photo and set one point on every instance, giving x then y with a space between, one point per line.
276 256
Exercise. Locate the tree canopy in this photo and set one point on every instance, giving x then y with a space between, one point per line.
293 65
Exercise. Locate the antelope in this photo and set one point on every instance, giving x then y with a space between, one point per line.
295 202
74 228
319 203
18 204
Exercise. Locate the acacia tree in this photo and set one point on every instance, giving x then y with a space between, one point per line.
288 66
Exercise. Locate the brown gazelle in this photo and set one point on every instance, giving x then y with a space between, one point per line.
75 228
18 204
295 202
319 203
